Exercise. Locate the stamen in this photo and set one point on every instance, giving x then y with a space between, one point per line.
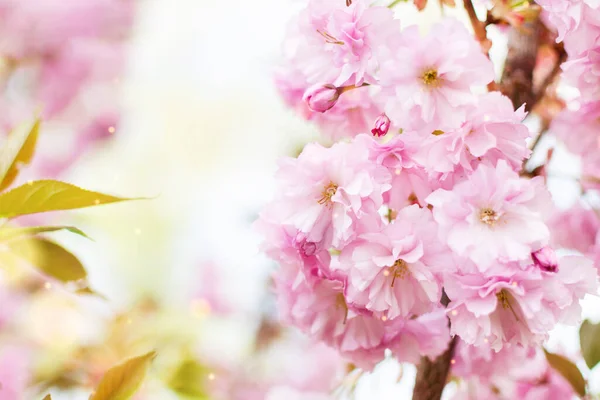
488 216
340 302
399 270
330 39
502 296
430 78
327 194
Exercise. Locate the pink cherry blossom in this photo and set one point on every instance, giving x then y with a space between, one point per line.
498 310
438 82
393 272
584 74
287 393
342 45
493 215
326 190
575 228
520 306
492 131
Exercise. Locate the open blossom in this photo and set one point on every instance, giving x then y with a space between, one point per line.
498 310
326 190
575 228
492 130
584 74
493 215
437 82
520 306
394 272
342 45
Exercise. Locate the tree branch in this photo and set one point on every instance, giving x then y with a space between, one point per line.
432 375
517 78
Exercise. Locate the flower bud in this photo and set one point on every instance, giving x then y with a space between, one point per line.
321 98
545 259
382 126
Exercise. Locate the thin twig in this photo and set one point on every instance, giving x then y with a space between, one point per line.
478 25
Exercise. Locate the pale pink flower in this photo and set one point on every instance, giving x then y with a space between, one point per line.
437 82
326 190
493 215
575 277
564 15
575 228
579 128
584 74
394 272
520 306
353 114
550 386
342 45
410 184
491 131
499 310
288 246
485 363
318 308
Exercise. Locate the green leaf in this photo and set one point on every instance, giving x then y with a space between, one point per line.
589 337
8 233
568 370
189 380
48 257
123 380
18 150
48 195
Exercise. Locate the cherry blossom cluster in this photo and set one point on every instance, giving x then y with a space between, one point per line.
415 226
63 60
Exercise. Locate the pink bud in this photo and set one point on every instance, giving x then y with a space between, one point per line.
321 98
545 259
382 126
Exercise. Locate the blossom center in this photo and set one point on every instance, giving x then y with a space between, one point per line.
328 193
488 216
504 301
398 270
430 78
330 39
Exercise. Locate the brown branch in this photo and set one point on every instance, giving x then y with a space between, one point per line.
478 26
433 375
517 78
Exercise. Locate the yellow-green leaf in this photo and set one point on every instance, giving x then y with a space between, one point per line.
190 380
48 195
47 397
123 380
568 370
589 337
48 257
18 150
9 233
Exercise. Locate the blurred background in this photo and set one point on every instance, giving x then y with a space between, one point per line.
176 103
